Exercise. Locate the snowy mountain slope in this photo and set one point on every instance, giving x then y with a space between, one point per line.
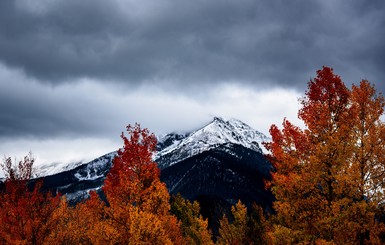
177 147
49 169
217 165
53 168
223 155
229 172
97 168
78 182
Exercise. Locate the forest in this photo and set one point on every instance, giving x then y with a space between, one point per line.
328 180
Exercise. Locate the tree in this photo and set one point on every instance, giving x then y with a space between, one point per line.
136 207
369 134
235 232
138 202
25 211
84 223
323 173
368 160
194 227
256 226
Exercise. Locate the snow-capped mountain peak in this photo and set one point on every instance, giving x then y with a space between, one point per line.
213 158
175 147
218 132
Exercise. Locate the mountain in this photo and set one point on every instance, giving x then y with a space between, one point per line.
223 159
174 148
216 164
78 182
56 167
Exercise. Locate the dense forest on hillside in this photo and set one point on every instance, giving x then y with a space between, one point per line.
328 182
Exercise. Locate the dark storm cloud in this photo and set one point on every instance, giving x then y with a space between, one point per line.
179 42
30 112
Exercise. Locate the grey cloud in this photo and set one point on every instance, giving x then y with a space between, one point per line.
31 110
195 42
73 69
32 115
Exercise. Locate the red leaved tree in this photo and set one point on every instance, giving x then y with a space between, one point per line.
137 209
25 212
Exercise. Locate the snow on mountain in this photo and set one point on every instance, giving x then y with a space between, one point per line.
91 167
223 158
174 147
53 168
97 168
178 147
49 169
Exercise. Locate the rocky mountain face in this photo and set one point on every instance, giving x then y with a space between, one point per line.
216 164
174 148
78 182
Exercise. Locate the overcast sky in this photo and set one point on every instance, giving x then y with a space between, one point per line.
74 73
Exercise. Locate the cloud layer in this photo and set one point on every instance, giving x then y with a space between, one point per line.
193 42
80 71
84 120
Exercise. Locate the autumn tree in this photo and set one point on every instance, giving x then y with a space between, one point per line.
368 159
369 133
243 227
234 232
25 211
137 209
84 223
194 227
327 173
257 226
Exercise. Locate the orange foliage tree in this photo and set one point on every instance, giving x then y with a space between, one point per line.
329 177
84 223
26 213
137 209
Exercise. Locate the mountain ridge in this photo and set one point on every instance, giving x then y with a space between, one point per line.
222 162
217 132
